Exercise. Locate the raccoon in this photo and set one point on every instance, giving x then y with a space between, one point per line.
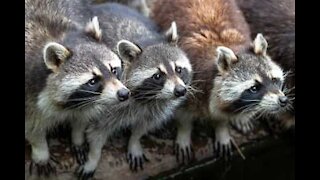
279 30
70 75
234 76
157 73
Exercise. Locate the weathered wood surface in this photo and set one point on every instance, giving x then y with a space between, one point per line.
158 147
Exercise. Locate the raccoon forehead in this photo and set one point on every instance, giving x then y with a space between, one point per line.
113 61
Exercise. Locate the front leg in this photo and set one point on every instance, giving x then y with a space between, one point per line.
42 162
222 145
96 139
183 146
135 155
79 146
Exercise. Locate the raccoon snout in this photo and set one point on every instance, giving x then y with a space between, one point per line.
180 90
283 100
123 94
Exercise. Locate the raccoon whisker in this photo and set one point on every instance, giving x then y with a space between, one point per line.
291 98
92 92
149 94
80 99
288 73
290 95
286 90
78 104
245 108
261 113
198 80
84 104
250 100
191 88
146 98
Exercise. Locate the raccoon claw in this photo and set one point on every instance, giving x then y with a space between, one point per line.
223 150
82 175
80 153
184 154
136 161
44 169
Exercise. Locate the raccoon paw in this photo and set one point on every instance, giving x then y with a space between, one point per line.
83 174
80 152
223 150
136 161
184 154
44 169
243 126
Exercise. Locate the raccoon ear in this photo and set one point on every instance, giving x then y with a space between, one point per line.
93 29
260 45
128 50
172 33
225 57
54 55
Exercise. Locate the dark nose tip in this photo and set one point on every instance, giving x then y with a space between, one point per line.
283 101
179 91
123 94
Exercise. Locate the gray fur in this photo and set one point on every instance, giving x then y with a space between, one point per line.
46 91
121 23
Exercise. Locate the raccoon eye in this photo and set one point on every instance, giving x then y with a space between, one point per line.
275 80
156 76
114 71
178 70
254 89
92 81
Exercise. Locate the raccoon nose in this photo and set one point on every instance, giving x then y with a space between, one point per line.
179 91
283 101
123 94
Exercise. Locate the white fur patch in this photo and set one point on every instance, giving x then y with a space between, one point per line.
109 94
222 134
276 71
115 61
168 89
183 62
40 154
97 71
135 148
163 69
270 102
184 129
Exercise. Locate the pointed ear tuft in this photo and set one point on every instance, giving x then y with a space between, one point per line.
260 45
172 33
93 29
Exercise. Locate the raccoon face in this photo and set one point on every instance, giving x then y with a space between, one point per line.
84 73
250 82
158 72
